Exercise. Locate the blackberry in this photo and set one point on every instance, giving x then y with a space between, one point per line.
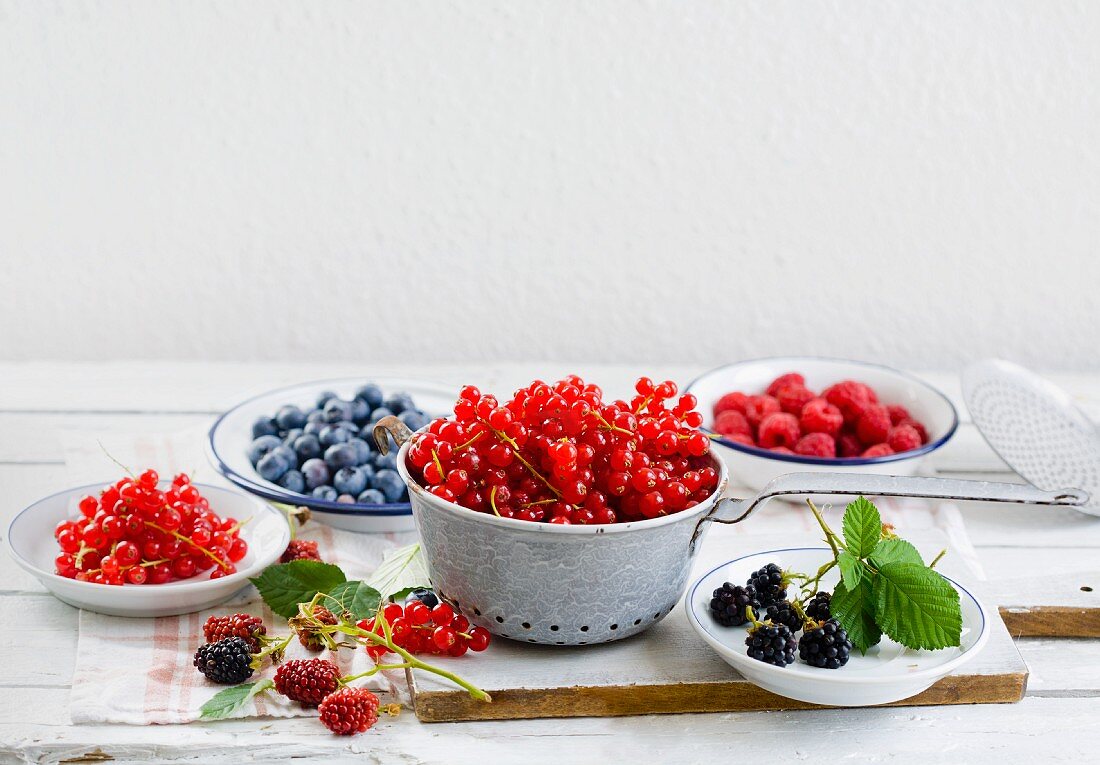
817 608
782 612
770 584
228 661
826 645
729 603
771 644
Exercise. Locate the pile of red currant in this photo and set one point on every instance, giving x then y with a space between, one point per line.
420 628
560 454
135 533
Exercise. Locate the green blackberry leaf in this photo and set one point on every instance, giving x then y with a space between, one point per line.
285 585
401 572
917 607
851 569
895 551
230 701
862 527
357 597
855 610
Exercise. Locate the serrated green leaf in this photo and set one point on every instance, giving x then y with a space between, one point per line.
231 700
917 607
358 597
286 585
862 527
401 572
854 609
851 569
895 551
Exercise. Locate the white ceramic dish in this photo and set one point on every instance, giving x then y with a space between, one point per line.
888 673
230 436
754 467
31 543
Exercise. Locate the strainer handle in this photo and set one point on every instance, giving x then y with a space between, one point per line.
390 425
898 486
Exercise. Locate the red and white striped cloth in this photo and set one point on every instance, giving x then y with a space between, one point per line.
140 671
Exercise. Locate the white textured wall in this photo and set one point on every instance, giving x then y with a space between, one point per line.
687 181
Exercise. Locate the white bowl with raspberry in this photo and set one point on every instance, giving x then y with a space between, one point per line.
804 414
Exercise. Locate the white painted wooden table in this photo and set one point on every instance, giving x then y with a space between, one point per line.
1058 720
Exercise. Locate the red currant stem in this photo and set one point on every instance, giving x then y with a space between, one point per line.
79 557
493 501
439 466
375 670
239 524
540 502
643 405
151 562
515 451
434 627
127 470
182 538
469 443
608 426
938 558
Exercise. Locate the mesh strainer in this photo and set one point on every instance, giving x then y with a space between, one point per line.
1035 428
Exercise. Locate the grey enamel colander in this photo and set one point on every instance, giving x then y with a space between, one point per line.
577 585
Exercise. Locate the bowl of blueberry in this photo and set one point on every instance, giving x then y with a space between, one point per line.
311 445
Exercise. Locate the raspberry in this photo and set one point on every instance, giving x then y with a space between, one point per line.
781 450
898 413
874 425
770 584
850 397
903 438
244 626
817 607
782 612
772 644
741 438
781 382
228 661
311 639
878 450
729 603
300 549
816 445
819 416
349 710
759 407
921 431
778 429
736 401
307 680
847 445
826 646
793 397
730 422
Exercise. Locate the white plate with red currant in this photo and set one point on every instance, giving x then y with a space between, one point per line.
144 547
862 622
806 414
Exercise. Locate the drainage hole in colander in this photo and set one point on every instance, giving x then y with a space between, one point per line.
614 626
530 640
553 628
477 612
637 622
500 620
559 642
657 615
526 625
584 628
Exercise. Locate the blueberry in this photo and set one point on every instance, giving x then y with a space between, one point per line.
273 465
414 419
349 480
314 427
348 427
360 410
325 492
337 410
291 436
333 435
316 415
362 450
427 597
264 426
323 398
316 473
307 447
371 394
290 416
389 483
293 481
346 499
340 456
399 402
262 446
379 413
385 461
371 497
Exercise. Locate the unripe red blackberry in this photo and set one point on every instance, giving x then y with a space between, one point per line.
307 680
244 626
349 710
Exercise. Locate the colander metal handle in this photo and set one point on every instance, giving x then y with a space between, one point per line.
390 426
896 486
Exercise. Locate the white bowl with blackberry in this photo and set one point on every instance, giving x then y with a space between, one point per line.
309 445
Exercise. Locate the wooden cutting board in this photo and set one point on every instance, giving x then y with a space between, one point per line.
667 669
1072 610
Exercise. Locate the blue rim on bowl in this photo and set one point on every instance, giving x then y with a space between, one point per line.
268 491
799 459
